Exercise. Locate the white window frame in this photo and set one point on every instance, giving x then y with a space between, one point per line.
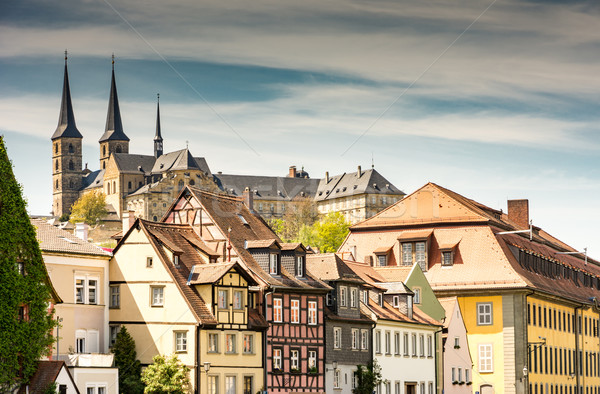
355 338
277 364
277 310
353 296
406 345
396 301
222 299
295 359
417 296
485 312
213 342
343 292
80 341
180 341
429 346
377 340
295 311
157 291
312 313
86 287
422 345
273 266
230 388
213 384
336 378
485 353
312 359
414 344
364 339
337 337
396 343
388 343
300 266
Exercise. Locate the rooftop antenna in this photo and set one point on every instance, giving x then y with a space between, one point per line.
65 56
583 253
372 160
529 230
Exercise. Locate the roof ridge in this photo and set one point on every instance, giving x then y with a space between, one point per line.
212 194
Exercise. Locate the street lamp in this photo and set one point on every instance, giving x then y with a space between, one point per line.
525 371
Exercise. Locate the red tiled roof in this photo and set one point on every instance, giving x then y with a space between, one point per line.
388 312
46 374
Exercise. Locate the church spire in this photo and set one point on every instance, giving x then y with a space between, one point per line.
158 141
114 128
66 119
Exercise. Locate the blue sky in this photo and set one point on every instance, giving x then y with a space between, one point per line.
492 99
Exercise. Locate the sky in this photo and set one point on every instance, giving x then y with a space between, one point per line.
493 99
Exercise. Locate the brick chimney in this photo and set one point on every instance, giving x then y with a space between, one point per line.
327 177
359 173
249 198
518 212
128 220
292 173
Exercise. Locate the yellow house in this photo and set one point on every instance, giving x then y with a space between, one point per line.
529 301
167 288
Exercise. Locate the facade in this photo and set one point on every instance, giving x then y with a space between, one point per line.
457 359
78 271
501 279
290 298
169 291
348 325
49 372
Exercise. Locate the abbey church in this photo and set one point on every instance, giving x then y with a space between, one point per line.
145 184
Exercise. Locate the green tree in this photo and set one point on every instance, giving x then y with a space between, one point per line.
166 375
300 212
126 361
367 377
26 333
89 208
327 235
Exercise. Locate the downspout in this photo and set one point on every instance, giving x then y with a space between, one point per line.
441 353
197 366
266 333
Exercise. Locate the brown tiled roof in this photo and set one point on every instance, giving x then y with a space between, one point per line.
46 374
223 211
394 273
388 312
366 273
210 273
415 234
260 243
53 239
161 233
329 266
291 245
256 320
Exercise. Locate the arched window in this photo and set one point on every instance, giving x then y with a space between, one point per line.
129 185
192 183
108 188
56 148
118 150
155 219
103 150
71 165
56 165
104 165
71 149
180 185
114 186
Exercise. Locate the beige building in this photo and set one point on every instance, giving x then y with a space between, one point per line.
169 291
78 271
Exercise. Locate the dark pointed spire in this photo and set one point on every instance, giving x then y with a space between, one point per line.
158 141
66 119
114 128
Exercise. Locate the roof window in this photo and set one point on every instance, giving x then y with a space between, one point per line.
242 219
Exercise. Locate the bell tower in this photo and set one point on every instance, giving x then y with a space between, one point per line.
66 155
114 139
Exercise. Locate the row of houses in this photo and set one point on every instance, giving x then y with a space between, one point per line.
446 294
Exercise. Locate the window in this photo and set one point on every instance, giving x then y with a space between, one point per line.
414 345
230 340
329 299
248 344
273 267
157 296
277 359
429 346
343 291
447 258
277 313
222 299
422 345
336 379
337 337
484 314
230 384
92 284
312 312
388 387
176 260
430 388
312 360
417 296
213 384
467 377
181 341
365 296
248 385
23 313
115 296
388 345
364 339
294 360
378 342
353 296
238 296
295 311
149 262
396 301
456 342
396 343
406 352
355 338
114 330
460 374
300 266
213 343
80 341
485 358
382 260
86 286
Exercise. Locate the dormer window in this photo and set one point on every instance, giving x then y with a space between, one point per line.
380 299
415 252
396 301
447 258
300 266
176 260
273 264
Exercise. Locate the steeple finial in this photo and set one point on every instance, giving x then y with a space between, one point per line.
114 127
113 61
66 118
158 141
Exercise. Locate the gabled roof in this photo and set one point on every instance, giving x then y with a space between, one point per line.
224 211
349 184
267 187
396 288
211 273
388 312
262 244
54 239
394 273
47 372
130 163
93 179
66 118
448 303
113 130
366 273
174 161
330 267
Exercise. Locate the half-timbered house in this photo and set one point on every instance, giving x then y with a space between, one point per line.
291 299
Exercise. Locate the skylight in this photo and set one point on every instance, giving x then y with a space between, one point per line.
242 219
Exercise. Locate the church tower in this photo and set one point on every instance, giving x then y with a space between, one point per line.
66 155
114 139
158 141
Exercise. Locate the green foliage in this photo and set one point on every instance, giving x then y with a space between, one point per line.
22 342
327 234
368 377
90 208
64 217
166 375
51 388
126 361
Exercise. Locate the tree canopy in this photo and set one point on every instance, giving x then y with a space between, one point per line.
89 208
367 377
127 363
26 333
166 375
327 234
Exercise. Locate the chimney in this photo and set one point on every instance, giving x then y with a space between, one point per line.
249 198
518 212
128 220
359 172
326 176
292 173
81 231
